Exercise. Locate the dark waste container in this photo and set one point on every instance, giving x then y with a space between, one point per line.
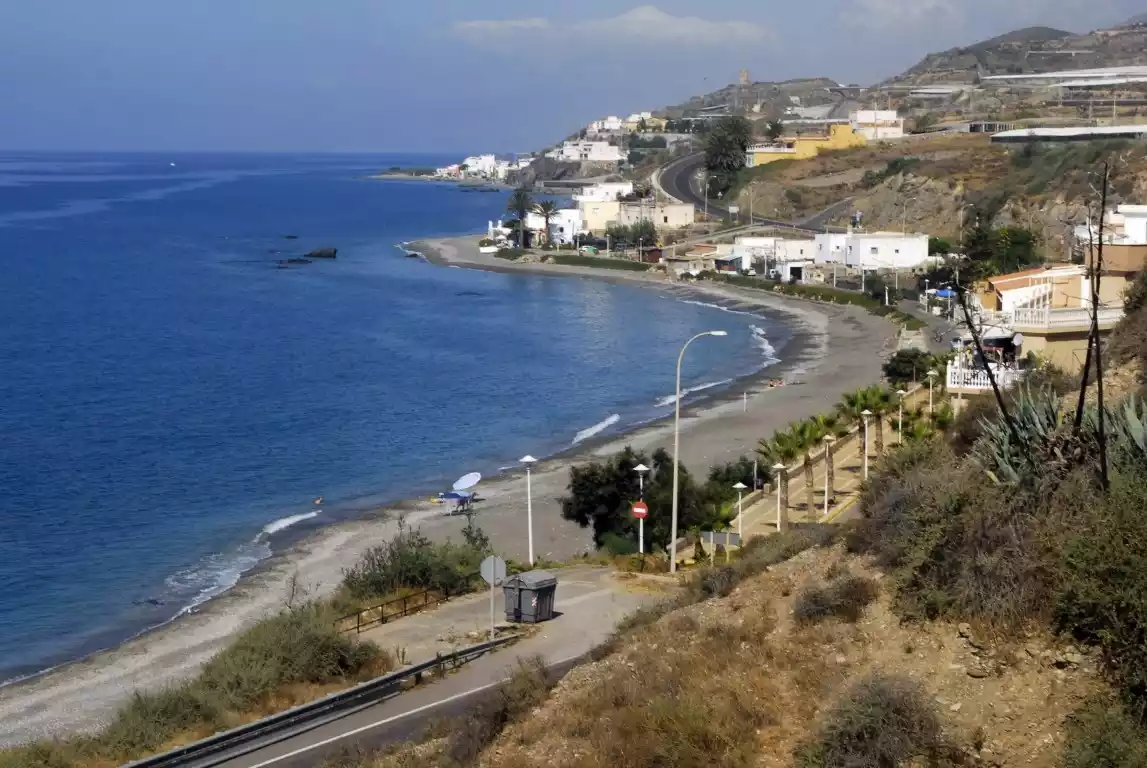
530 597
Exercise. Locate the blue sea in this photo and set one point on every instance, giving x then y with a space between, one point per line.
171 399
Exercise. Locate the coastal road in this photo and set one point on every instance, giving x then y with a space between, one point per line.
678 180
590 602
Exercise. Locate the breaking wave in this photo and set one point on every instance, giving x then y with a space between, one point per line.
669 400
596 429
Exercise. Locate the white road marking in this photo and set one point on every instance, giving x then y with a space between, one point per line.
387 721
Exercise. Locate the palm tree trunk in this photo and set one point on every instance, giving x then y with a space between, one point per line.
830 469
880 434
783 480
810 494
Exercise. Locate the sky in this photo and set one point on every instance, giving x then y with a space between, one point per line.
439 75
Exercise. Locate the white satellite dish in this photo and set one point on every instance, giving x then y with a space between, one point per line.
467 481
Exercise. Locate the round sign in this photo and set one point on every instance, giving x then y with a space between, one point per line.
640 510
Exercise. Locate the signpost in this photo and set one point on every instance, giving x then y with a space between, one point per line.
493 570
640 511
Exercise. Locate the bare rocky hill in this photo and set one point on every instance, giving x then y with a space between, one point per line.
1030 50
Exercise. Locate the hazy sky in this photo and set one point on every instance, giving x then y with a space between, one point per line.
499 75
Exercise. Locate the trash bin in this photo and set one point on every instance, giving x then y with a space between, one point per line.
530 597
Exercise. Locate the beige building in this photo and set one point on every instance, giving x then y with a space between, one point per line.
598 215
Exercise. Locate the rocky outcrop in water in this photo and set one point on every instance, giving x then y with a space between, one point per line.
323 253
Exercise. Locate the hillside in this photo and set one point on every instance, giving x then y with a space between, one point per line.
766 98
1029 50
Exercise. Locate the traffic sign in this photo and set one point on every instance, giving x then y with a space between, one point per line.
640 510
493 570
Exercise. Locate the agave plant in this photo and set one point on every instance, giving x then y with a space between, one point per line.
1041 441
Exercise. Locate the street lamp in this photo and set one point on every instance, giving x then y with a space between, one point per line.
828 489
900 418
677 448
529 461
740 488
641 469
866 413
931 377
778 472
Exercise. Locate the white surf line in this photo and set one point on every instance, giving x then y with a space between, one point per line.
395 718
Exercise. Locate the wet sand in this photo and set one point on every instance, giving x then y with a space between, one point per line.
834 349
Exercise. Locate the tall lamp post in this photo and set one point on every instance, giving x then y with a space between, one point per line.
931 378
740 488
866 413
677 448
900 418
641 469
828 489
529 461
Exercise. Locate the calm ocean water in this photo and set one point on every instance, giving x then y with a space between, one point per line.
171 401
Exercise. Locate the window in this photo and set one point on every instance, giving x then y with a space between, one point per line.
874 250
666 221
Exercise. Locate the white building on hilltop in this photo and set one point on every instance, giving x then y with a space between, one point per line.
876 124
605 191
611 124
587 152
872 250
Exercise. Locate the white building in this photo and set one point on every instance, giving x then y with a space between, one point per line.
1126 225
876 124
481 165
872 250
450 171
565 224
786 257
588 152
610 124
605 191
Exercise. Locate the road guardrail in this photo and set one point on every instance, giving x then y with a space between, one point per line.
217 749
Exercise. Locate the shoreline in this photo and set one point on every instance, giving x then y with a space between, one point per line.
829 344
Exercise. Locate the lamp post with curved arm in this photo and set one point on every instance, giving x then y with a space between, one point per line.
677 448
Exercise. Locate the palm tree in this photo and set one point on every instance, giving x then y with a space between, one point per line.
782 448
880 403
852 405
833 425
808 434
520 204
547 209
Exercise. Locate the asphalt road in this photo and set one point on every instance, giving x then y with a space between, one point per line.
590 603
678 178
402 718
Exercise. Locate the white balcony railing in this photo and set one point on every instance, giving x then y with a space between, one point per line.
1047 318
963 378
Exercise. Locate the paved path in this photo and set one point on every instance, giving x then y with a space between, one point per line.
591 601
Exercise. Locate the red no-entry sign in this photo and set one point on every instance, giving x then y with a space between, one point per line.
640 510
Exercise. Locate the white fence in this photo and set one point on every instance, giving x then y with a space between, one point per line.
960 377
1045 317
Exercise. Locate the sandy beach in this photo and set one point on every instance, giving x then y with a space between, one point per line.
834 349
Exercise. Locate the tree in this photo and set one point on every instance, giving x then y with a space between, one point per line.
774 129
809 434
879 402
547 209
938 246
782 448
519 204
601 496
908 365
725 150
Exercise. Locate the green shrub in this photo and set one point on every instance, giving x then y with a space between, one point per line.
844 598
297 646
1103 598
600 262
510 254
1101 734
411 561
882 722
